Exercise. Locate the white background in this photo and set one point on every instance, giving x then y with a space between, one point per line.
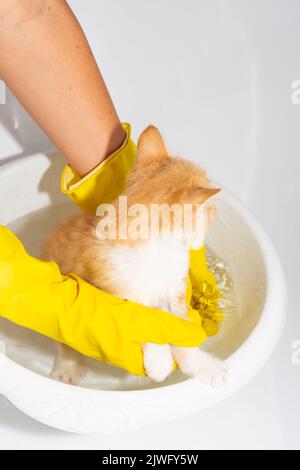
215 76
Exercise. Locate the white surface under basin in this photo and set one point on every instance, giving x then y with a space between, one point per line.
110 400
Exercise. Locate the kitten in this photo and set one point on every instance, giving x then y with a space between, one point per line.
152 270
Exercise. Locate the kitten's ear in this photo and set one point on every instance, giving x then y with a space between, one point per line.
151 146
201 195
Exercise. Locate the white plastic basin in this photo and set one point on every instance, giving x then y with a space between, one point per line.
110 400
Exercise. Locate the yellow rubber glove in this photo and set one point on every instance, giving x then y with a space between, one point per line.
103 185
203 293
35 294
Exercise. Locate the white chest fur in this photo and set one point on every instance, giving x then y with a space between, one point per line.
151 273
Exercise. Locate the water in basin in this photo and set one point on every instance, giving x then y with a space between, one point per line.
36 352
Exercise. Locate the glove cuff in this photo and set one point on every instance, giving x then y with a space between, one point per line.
105 182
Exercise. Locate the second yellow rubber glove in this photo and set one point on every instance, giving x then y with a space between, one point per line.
35 294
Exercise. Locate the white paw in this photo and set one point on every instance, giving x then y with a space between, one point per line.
158 361
213 373
201 365
69 372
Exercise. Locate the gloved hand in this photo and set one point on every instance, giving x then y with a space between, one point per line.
35 294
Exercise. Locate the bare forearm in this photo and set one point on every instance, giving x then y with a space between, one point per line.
47 62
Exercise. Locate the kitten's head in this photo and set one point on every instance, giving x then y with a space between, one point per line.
160 179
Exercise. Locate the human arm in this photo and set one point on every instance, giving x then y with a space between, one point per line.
46 61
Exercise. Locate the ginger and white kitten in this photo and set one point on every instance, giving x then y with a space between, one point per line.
151 270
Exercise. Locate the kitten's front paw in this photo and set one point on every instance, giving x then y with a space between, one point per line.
68 372
158 361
